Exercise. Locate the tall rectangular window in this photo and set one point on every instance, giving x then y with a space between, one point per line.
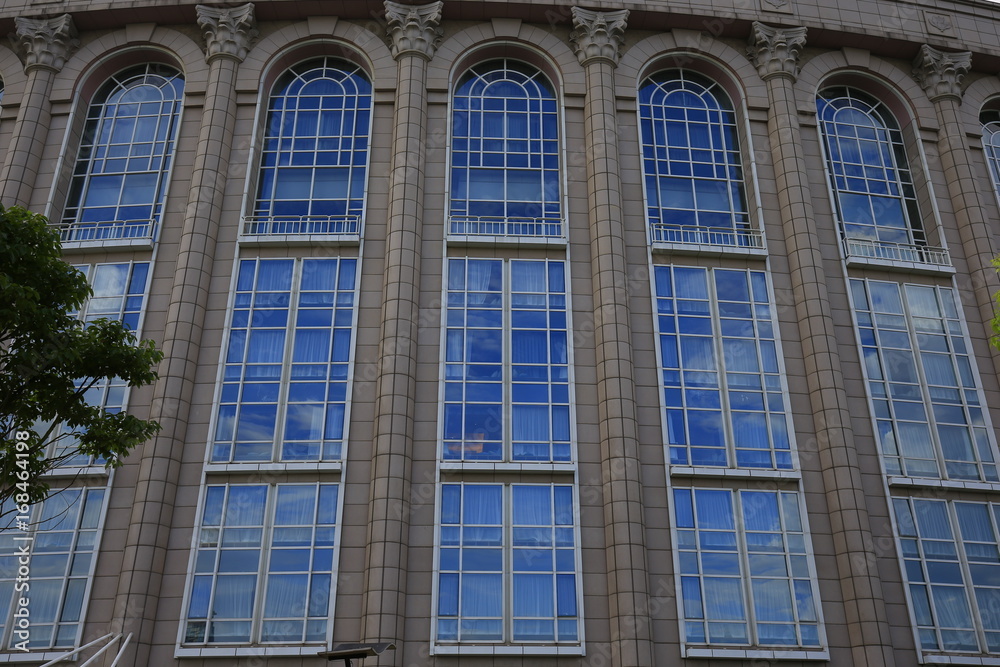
119 293
951 556
62 536
507 558
286 370
723 394
505 153
927 406
506 386
746 573
264 564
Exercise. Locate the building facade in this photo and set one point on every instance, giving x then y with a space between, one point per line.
516 333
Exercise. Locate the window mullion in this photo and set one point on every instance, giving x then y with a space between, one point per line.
744 553
723 384
257 621
963 562
281 416
507 375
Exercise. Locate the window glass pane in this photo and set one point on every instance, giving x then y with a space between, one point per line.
288 383
927 429
125 155
869 176
691 162
505 177
723 392
312 175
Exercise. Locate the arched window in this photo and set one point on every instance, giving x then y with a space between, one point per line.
315 152
990 119
505 153
120 179
691 162
868 170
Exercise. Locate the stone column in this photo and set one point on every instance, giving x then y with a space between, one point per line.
45 44
940 74
597 39
414 34
775 51
228 35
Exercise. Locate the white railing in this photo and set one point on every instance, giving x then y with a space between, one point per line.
301 225
111 231
729 237
461 225
856 248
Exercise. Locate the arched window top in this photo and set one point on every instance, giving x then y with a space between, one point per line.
315 151
125 154
868 169
505 178
850 106
505 78
694 183
322 76
684 89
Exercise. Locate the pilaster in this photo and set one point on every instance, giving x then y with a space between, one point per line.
228 34
597 38
414 35
44 45
775 52
940 74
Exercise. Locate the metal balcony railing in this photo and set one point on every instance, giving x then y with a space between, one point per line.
460 225
124 231
301 225
855 248
728 237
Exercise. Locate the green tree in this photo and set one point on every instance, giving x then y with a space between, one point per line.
49 359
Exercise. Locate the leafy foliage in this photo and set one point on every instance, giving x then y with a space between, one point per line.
49 359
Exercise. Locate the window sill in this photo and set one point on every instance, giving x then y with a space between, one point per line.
247 651
527 649
507 241
733 473
107 245
497 466
928 483
707 249
298 240
38 657
77 472
755 654
854 262
938 659
287 466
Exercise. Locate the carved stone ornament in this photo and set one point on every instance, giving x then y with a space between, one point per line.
939 73
413 29
775 51
941 23
598 35
229 31
45 43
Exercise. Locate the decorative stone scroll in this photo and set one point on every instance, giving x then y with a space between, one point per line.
229 31
45 43
775 51
939 73
413 29
598 35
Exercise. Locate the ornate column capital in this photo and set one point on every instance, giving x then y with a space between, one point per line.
229 31
413 29
45 43
775 51
940 74
598 35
